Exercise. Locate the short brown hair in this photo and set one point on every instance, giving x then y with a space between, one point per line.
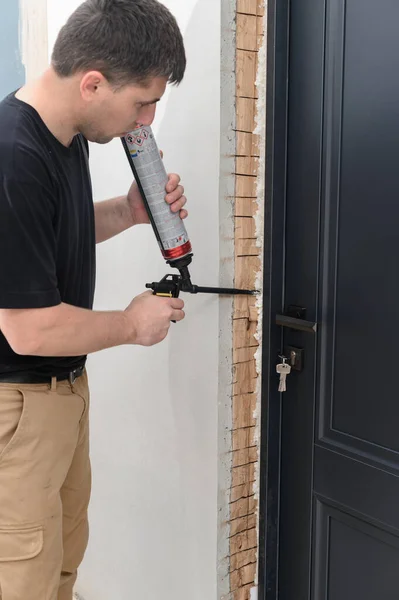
128 41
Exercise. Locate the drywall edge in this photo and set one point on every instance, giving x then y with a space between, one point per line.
33 37
226 220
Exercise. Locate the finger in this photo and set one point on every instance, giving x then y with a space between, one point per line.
175 195
178 205
173 182
183 214
178 315
177 303
161 153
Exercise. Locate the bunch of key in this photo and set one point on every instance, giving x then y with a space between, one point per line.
283 369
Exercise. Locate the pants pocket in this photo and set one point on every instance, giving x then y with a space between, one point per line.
21 577
12 418
20 544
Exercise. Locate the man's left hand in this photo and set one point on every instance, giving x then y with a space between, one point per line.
174 197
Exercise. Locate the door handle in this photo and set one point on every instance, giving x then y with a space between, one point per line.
294 323
295 318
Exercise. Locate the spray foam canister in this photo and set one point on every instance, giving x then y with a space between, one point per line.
151 177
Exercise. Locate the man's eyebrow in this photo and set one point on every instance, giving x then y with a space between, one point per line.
149 102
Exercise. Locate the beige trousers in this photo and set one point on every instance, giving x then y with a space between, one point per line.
45 483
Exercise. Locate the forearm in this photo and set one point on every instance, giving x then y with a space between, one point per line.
65 330
112 217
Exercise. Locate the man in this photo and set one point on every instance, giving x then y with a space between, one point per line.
110 66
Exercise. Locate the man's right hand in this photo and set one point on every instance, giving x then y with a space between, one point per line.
150 317
66 330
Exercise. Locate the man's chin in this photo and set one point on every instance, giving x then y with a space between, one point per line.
104 140
101 140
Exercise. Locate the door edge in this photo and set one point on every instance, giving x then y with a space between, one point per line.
274 233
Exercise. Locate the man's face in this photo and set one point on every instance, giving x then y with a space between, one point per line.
108 114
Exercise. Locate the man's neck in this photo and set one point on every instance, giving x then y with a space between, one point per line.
51 98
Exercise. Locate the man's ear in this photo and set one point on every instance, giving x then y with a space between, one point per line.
92 84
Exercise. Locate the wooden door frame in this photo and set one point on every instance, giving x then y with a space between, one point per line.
274 242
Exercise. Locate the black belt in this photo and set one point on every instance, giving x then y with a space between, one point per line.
24 377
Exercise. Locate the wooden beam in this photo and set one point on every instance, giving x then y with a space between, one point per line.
244 438
246 74
245 207
247 165
244 593
249 7
241 559
242 524
244 406
245 456
247 144
245 120
246 370
241 355
243 305
245 228
247 248
247 32
244 333
242 577
244 474
246 386
243 507
242 491
245 186
247 268
244 541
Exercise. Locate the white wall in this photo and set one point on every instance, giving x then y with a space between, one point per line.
154 411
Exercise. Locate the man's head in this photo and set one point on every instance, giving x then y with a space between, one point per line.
121 54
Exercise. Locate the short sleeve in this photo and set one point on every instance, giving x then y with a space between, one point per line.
28 277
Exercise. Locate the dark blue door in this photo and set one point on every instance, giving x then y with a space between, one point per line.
336 499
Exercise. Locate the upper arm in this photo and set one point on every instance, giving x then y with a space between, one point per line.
28 274
28 277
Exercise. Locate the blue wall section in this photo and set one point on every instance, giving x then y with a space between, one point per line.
12 71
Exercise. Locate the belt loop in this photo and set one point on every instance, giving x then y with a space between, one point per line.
53 384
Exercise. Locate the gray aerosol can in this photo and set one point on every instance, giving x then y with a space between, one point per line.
151 177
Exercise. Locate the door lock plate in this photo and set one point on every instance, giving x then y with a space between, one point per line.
295 357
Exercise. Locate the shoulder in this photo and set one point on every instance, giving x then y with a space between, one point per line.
23 152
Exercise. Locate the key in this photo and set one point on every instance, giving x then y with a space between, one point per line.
283 369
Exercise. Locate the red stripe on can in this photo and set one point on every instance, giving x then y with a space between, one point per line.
178 252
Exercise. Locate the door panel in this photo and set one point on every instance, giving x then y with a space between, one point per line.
372 570
367 283
368 570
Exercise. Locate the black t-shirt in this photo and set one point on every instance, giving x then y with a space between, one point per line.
47 231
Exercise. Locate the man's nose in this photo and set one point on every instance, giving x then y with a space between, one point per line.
147 115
